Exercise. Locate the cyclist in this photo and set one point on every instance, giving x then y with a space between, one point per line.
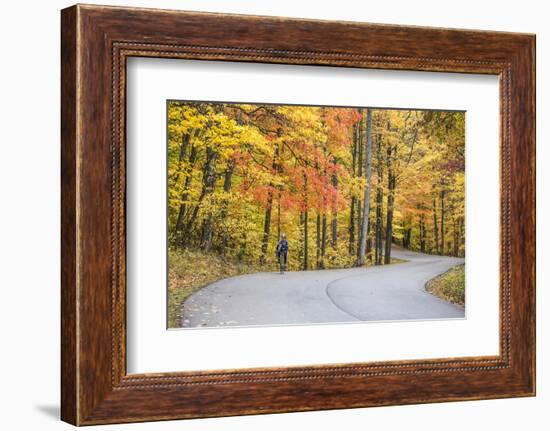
282 253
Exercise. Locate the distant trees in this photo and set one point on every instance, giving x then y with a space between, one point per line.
343 183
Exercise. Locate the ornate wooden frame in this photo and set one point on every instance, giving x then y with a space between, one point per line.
95 43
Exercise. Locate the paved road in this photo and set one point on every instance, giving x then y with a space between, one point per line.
392 292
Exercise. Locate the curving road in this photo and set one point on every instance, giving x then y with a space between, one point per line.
392 292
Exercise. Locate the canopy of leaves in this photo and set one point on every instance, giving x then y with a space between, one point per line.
241 174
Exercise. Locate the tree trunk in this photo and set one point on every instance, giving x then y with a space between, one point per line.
301 235
455 238
279 188
228 176
306 235
370 235
268 209
463 237
318 240
334 230
267 226
279 217
443 222
389 222
378 241
359 227
389 211
210 180
359 220
379 204
366 198
406 241
436 230
323 240
185 194
351 228
305 265
422 234
185 139
211 157
226 188
334 221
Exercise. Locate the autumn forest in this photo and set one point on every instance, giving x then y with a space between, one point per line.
344 184
338 181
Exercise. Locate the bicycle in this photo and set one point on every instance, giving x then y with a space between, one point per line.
282 263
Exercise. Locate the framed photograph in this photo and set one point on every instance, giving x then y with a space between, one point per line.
266 215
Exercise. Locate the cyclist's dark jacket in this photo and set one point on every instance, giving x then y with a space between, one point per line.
282 246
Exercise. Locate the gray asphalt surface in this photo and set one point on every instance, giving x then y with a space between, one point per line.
391 292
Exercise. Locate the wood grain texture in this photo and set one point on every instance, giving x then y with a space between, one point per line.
69 396
96 41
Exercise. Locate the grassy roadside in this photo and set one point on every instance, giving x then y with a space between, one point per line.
449 286
189 271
